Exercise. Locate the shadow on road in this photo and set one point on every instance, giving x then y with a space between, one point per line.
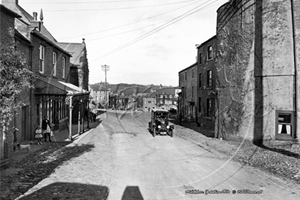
132 193
63 190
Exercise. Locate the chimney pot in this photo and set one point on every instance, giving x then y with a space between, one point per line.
83 40
35 16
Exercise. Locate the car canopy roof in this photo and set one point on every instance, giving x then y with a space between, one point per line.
160 110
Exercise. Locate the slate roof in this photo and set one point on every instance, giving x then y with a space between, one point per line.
33 24
75 49
166 90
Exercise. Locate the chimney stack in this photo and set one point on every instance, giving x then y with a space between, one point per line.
35 16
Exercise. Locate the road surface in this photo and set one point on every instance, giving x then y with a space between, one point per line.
128 163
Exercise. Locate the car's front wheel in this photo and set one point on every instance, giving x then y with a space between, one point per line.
171 133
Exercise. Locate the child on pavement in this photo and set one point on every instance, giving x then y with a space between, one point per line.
38 135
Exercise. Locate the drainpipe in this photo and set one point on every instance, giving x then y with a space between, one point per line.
295 68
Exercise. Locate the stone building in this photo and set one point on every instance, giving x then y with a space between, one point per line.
187 99
206 89
51 64
79 67
258 44
100 94
166 98
149 102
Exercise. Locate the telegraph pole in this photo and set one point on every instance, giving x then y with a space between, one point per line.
105 68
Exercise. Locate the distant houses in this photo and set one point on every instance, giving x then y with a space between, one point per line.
132 97
55 84
245 82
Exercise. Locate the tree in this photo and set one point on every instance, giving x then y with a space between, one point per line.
15 76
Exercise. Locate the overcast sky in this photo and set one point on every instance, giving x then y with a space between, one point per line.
142 41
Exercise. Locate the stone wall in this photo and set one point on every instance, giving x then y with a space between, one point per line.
234 81
278 62
296 22
256 66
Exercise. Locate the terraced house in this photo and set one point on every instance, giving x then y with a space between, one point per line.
206 89
51 64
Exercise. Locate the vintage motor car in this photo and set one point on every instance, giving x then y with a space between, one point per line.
159 123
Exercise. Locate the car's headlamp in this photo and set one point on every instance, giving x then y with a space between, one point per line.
168 127
159 126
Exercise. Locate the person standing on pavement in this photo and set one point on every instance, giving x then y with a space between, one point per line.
46 127
38 135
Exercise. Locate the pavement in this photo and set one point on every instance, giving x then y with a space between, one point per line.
58 137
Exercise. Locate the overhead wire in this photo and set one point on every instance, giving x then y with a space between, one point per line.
121 8
125 32
169 23
117 27
82 2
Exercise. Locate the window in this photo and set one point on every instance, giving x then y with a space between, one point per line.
192 92
209 106
209 78
199 105
209 53
42 59
185 76
64 67
284 125
200 58
54 63
170 96
193 71
200 80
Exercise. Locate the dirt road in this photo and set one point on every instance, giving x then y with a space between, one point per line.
131 164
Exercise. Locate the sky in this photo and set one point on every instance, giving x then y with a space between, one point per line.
142 41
